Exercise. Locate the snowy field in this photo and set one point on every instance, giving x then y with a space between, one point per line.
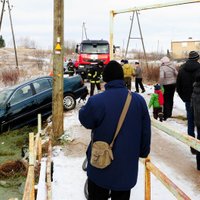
69 178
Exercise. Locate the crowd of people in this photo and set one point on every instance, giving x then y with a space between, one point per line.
102 111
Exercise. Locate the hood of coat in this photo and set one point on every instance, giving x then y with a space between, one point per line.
115 84
165 60
191 66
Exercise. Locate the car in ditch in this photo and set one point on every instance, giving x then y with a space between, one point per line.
20 104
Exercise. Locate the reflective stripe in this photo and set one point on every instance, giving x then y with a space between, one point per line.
95 74
95 81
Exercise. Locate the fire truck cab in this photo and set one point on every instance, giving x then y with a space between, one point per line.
90 52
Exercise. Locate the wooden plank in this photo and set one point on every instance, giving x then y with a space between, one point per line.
42 190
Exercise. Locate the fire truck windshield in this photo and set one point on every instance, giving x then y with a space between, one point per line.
95 48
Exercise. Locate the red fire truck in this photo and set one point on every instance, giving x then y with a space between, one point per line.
90 52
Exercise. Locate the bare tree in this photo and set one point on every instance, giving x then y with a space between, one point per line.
27 43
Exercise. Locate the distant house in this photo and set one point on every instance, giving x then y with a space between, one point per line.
181 49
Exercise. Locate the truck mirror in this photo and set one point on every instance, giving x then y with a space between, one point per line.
115 47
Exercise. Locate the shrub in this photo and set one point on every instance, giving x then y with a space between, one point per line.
10 76
151 73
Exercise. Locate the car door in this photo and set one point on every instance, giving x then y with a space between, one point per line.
43 93
22 107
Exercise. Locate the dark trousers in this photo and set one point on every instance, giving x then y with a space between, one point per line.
190 119
191 128
127 81
92 86
169 91
138 82
99 193
157 112
198 153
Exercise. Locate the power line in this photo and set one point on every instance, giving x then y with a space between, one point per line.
2 11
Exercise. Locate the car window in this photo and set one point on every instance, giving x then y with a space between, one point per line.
21 94
41 85
4 96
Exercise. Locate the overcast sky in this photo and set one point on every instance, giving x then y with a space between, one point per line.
33 19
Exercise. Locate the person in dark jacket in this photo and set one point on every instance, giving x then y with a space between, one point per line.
138 78
184 84
94 75
101 114
195 102
70 67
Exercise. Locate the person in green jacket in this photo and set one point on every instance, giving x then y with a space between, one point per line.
157 102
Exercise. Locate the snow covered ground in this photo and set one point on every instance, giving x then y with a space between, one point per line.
69 178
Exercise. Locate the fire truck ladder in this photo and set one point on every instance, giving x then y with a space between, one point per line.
141 37
84 32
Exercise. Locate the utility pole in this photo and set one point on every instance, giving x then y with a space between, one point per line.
2 11
58 45
13 36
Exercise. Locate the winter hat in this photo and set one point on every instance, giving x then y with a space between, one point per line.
113 71
125 61
165 60
137 63
122 61
157 87
193 55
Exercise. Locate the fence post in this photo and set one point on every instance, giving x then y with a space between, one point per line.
147 180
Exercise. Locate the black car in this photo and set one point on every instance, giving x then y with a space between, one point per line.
20 104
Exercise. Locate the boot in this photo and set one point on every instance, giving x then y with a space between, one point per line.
193 151
160 115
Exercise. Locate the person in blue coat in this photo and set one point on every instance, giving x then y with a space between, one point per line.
101 114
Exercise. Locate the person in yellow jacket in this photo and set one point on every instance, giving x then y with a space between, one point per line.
129 72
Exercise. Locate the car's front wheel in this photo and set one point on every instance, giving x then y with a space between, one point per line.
69 102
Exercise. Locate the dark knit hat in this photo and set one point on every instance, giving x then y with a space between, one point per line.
157 87
193 55
113 71
125 61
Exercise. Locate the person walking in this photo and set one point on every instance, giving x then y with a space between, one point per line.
195 103
168 75
128 74
138 78
185 80
94 76
101 114
157 101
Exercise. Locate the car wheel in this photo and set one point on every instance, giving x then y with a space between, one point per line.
69 102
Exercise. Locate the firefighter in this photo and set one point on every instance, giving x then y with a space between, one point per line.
70 67
94 76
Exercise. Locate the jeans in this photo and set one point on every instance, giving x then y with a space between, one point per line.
190 119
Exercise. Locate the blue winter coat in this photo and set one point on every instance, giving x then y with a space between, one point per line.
101 114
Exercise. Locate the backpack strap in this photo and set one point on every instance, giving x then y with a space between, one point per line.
122 117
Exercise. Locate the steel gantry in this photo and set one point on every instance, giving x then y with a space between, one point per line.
140 8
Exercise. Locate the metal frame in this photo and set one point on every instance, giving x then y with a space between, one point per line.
154 6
